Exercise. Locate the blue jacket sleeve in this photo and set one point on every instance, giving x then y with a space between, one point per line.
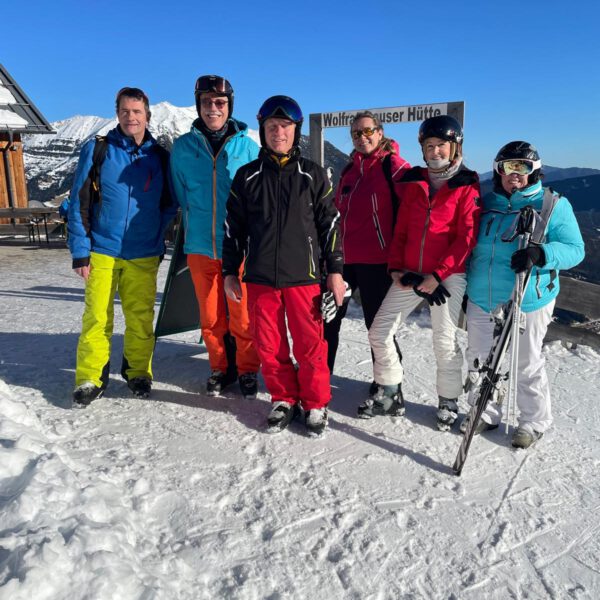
564 247
78 238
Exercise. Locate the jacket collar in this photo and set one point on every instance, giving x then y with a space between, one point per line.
118 138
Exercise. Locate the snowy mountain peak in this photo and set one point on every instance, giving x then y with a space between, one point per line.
51 160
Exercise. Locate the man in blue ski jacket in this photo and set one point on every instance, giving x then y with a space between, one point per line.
119 210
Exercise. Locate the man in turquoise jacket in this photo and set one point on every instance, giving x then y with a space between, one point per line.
119 209
491 279
203 164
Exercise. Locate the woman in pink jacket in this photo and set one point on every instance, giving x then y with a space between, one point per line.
435 234
368 202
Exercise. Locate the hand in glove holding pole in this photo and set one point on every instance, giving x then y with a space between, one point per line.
522 259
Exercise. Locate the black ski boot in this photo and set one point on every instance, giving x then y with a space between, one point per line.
387 401
140 386
217 382
281 416
85 393
316 421
248 385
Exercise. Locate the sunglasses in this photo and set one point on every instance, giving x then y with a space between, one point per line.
518 166
367 132
218 102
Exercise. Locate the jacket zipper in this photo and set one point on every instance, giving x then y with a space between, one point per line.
423 238
278 227
134 156
350 200
492 261
214 193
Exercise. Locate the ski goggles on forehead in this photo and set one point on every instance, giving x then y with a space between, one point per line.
519 166
366 131
280 107
212 83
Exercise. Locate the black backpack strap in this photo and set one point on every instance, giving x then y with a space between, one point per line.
100 149
91 190
386 164
166 199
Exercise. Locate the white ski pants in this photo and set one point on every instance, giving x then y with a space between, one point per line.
533 389
397 305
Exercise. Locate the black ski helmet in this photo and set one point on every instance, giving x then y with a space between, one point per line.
444 127
216 84
518 150
282 107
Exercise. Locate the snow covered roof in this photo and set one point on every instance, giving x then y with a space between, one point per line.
17 111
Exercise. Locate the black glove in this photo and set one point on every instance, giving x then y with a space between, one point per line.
525 258
412 279
439 295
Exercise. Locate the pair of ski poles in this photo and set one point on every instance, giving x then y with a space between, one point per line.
508 333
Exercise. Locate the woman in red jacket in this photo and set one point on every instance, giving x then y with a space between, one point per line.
435 233
367 205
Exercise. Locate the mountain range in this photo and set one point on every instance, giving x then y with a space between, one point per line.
51 160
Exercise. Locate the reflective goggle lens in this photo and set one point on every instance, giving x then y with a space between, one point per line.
366 131
520 167
212 83
280 106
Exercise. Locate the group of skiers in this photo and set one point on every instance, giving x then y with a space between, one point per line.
271 250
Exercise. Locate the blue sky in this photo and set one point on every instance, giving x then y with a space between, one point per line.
526 70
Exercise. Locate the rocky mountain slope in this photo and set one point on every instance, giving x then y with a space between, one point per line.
51 160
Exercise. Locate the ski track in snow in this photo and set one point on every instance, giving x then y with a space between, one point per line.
185 496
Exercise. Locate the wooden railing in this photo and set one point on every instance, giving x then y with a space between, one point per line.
579 297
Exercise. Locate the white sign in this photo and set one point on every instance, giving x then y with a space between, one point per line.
395 114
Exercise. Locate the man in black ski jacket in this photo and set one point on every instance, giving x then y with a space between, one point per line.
282 220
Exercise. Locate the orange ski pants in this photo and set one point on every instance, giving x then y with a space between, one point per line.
214 322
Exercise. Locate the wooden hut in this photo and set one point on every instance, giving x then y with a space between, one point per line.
18 116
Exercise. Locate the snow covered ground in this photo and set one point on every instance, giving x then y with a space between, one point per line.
186 497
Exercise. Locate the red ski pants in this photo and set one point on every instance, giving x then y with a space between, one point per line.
208 283
268 308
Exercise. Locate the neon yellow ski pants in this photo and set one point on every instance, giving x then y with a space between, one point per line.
135 281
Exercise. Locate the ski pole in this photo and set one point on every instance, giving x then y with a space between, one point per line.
524 229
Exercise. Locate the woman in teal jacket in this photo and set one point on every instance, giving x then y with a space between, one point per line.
491 279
